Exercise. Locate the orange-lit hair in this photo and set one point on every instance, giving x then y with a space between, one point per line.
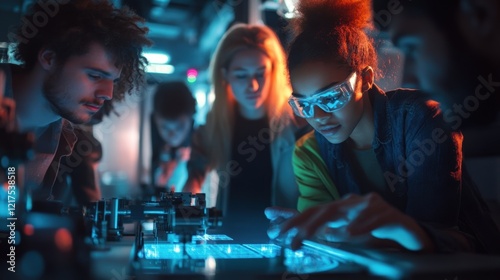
333 31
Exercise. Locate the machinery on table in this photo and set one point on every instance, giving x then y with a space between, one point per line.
175 217
177 235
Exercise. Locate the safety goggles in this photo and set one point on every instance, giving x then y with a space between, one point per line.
328 100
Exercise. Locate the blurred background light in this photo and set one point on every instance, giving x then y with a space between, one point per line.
192 74
160 68
157 58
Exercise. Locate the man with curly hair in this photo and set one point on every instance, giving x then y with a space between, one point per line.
74 55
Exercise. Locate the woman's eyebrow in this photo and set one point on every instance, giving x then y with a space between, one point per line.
327 87
296 94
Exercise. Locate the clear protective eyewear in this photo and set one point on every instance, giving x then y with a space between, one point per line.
328 100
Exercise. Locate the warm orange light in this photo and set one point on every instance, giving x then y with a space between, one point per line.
29 230
63 240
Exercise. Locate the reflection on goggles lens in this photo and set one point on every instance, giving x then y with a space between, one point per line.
330 100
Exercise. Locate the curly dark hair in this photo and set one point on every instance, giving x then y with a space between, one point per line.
173 99
69 27
333 31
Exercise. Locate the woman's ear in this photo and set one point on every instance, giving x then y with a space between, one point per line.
367 78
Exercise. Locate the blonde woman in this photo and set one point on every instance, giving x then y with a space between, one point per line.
250 131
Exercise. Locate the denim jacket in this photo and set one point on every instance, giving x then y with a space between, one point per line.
421 157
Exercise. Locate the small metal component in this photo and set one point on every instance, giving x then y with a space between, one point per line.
114 232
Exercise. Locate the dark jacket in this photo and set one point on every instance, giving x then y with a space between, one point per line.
421 157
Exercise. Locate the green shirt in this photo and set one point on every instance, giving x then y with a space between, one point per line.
315 185
314 181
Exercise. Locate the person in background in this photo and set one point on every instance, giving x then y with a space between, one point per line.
250 131
172 126
455 60
364 176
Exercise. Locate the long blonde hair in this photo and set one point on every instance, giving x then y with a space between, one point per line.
220 120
